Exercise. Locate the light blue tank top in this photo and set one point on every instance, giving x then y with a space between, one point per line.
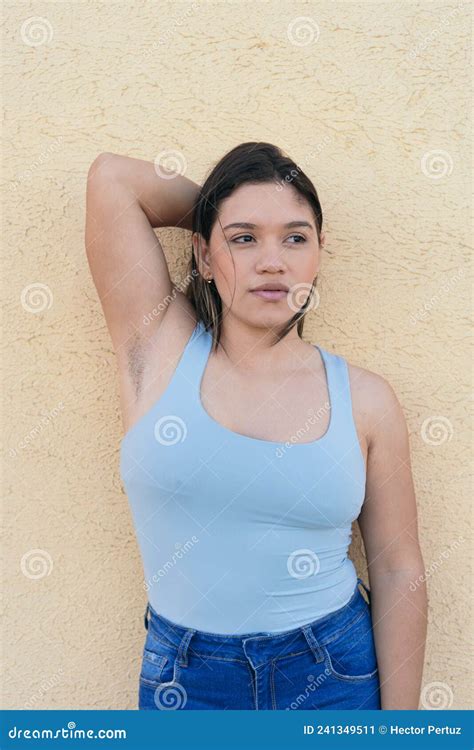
237 534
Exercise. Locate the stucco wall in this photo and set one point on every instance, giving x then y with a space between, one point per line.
371 99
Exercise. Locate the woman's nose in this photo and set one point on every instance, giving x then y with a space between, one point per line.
271 257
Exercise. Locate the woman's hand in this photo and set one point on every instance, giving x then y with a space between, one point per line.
167 201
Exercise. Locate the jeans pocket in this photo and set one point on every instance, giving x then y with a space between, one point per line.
351 656
158 662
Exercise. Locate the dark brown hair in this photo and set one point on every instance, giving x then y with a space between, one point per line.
251 162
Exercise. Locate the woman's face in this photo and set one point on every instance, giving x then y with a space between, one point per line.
265 251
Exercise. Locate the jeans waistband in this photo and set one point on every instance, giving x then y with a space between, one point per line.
258 646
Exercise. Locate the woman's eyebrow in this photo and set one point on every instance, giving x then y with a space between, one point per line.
249 225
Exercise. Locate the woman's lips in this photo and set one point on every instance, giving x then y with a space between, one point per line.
270 294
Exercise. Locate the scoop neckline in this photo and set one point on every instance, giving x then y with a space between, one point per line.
248 438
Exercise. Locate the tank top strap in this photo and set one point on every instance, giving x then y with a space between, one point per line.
337 375
193 360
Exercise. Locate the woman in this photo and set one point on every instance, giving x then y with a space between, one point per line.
249 452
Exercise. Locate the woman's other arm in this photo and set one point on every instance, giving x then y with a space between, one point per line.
389 528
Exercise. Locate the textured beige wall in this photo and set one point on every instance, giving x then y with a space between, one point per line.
371 99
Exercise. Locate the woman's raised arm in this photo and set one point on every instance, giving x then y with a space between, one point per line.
125 199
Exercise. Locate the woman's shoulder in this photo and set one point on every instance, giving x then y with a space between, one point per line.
375 400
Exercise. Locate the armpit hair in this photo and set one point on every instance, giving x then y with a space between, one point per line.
136 362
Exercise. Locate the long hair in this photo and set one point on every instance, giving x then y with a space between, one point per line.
251 162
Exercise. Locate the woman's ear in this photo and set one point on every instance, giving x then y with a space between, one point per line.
322 240
201 254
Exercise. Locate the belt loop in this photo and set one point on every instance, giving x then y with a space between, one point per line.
146 615
313 643
359 580
183 648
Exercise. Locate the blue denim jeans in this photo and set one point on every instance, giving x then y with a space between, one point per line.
328 664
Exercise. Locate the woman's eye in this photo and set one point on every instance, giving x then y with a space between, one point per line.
299 237
236 239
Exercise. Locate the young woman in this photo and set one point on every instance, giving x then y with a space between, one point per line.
249 452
